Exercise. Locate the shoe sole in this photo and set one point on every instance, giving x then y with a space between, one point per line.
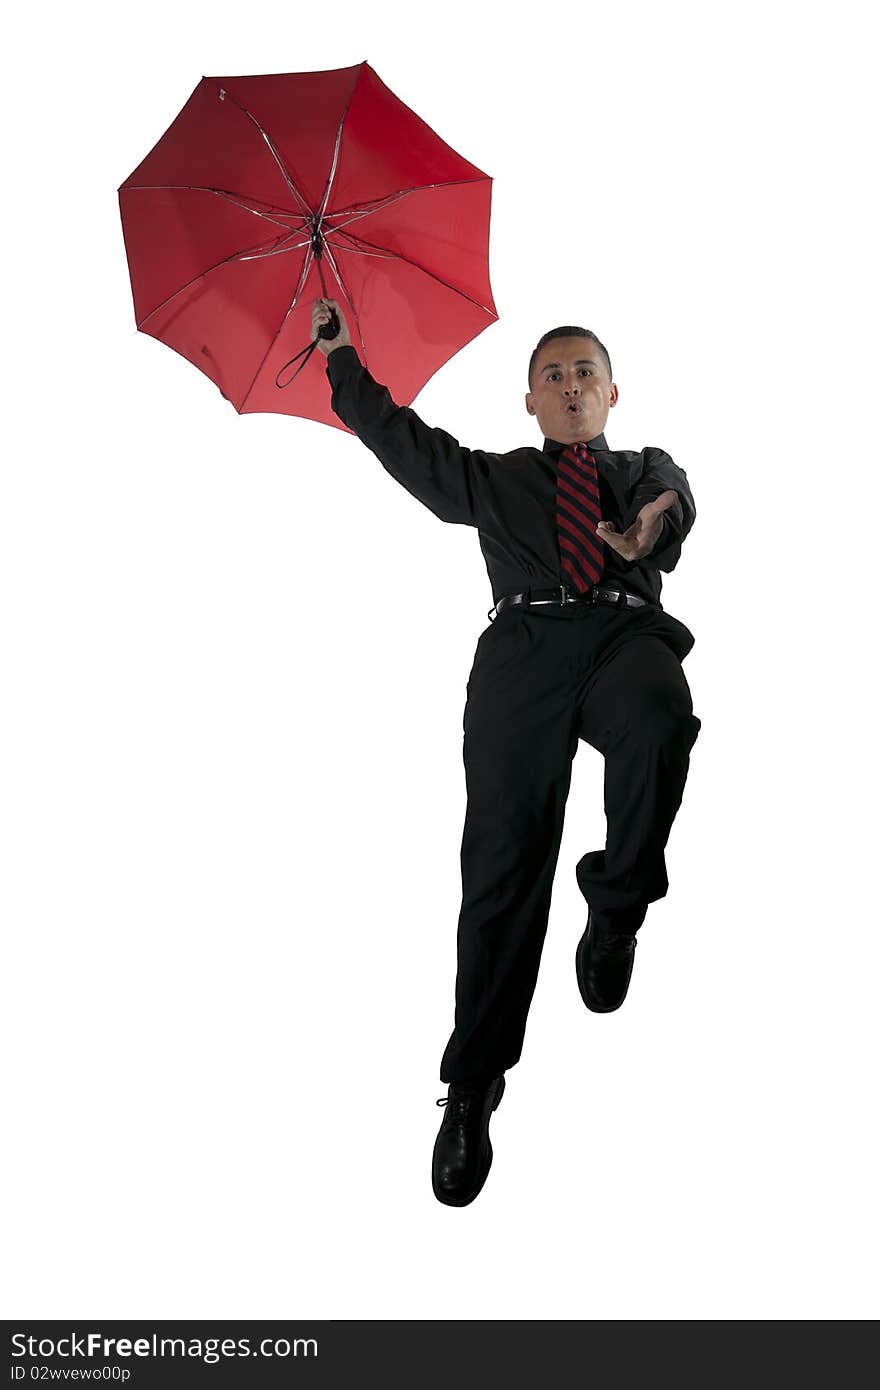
453 1201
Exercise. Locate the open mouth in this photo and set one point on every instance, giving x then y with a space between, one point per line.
572 408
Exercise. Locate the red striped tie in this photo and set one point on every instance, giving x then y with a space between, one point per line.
577 515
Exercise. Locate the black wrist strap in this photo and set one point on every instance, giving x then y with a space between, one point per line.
327 330
308 350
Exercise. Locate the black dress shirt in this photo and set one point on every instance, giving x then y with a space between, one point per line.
511 498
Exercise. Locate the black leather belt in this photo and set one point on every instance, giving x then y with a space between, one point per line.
562 595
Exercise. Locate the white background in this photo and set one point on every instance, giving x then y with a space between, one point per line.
233 796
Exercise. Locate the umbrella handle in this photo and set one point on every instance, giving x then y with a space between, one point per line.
330 330
327 330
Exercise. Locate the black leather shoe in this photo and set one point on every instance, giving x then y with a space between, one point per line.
463 1150
604 961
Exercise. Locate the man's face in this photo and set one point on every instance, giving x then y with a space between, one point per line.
571 392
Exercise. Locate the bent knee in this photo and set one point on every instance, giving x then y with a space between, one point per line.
665 718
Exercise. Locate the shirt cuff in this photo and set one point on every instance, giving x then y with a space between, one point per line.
666 535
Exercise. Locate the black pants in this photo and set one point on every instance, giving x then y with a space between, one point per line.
543 678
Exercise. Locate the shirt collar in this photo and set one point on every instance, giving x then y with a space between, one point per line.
553 446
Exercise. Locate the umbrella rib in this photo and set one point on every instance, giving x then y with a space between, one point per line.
383 255
224 260
331 176
279 251
220 193
379 251
307 259
304 207
391 198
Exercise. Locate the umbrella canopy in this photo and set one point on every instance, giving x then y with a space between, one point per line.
267 192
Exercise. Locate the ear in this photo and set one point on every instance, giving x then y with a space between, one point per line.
529 406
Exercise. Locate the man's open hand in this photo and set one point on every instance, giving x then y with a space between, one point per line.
640 538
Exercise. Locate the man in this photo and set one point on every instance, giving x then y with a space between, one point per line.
574 536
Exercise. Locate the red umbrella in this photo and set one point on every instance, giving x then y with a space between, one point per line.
268 192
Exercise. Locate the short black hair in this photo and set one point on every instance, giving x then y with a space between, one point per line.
570 331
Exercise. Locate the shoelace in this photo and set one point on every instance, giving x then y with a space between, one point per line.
460 1107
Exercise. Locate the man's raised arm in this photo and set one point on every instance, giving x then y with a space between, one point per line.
429 463
661 474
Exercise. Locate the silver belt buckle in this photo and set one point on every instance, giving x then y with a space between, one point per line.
563 589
